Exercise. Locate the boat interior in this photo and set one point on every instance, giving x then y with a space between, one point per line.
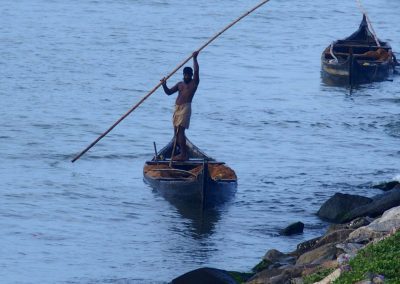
371 53
218 171
159 167
162 170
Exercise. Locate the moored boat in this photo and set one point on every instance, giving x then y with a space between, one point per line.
200 179
358 59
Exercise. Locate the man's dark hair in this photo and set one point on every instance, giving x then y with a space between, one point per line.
188 70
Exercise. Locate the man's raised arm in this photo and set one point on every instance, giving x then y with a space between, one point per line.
196 76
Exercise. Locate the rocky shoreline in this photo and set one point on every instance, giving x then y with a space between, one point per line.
356 222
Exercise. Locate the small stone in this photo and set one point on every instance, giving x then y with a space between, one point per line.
295 228
378 279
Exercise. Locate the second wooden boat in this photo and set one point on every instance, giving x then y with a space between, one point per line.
358 59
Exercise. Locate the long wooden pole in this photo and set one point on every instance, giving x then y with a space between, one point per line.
166 78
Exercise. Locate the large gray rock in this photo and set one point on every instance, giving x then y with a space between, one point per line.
364 235
336 207
389 221
380 227
205 275
380 204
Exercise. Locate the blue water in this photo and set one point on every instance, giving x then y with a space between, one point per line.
70 69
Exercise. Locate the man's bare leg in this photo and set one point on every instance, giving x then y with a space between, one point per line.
181 140
173 157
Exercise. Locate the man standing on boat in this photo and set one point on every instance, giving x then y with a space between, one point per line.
186 90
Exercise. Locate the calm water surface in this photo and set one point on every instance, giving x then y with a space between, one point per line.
70 69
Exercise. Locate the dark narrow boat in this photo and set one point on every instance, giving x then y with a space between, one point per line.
358 59
201 179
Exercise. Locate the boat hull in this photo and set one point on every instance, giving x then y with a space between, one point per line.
358 73
193 191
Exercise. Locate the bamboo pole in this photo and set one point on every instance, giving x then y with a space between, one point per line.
166 78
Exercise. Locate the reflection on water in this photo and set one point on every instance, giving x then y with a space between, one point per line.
202 220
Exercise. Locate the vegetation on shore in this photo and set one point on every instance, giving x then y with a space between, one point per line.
379 260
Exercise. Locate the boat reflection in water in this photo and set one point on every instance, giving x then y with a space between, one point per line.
199 222
197 187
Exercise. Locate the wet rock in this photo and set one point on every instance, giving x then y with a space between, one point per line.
295 228
385 186
205 275
339 205
380 204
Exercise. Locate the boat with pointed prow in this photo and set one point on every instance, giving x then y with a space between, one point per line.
358 59
200 179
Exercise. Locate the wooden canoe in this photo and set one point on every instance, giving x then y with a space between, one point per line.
357 59
201 179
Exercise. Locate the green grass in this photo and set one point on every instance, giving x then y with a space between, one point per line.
382 258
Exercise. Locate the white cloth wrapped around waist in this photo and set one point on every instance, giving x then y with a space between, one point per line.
182 115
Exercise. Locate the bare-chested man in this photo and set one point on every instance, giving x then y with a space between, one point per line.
186 90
